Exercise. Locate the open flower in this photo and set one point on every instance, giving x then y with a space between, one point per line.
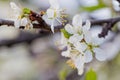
21 19
80 44
77 30
54 13
94 48
76 27
77 58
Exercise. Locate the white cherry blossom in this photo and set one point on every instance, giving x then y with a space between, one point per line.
54 13
80 44
79 61
73 29
19 21
78 58
76 27
89 47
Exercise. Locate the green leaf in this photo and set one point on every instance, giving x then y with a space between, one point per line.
66 34
63 74
91 75
100 5
26 11
92 8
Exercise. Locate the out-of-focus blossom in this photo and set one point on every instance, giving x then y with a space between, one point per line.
21 19
116 5
103 13
54 13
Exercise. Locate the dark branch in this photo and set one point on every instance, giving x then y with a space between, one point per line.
42 24
109 23
6 22
33 17
102 21
118 1
23 37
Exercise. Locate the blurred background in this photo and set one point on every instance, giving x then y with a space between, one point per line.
41 60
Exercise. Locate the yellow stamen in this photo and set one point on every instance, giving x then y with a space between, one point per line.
19 17
71 63
64 16
42 12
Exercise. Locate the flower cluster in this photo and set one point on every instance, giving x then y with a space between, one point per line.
21 16
55 13
80 44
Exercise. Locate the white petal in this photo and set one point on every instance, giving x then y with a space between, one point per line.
75 38
63 39
69 29
80 46
88 56
47 20
50 13
88 37
77 21
81 70
66 53
86 27
17 23
16 9
78 60
52 26
54 4
95 41
100 54
24 21
79 63
13 5
31 25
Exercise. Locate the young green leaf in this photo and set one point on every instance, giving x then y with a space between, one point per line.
100 5
63 74
26 11
91 75
66 34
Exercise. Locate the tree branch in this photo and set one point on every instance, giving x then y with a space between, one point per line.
42 24
23 37
109 24
27 37
6 22
118 1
